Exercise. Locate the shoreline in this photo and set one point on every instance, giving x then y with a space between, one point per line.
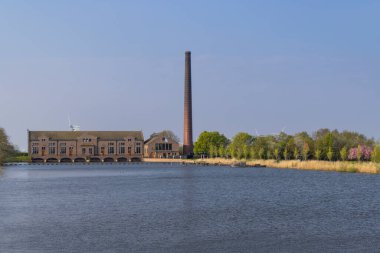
337 166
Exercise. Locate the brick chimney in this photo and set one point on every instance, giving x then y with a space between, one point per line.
188 114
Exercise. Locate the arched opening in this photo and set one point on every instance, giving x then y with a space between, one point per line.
79 160
95 160
135 159
37 160
122 160
66 160
52 160
108 160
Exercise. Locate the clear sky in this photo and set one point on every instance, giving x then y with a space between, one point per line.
257 65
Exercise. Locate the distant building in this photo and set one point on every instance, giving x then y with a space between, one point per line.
85 146
161 145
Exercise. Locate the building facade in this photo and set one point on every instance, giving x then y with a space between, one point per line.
161 145
85 146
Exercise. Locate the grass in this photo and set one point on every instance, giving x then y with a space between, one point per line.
17 159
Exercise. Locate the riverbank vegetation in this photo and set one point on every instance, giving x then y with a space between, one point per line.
6 149
322 145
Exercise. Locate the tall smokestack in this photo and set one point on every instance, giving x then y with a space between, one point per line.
188 114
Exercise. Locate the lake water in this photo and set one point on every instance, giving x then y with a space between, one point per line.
185 208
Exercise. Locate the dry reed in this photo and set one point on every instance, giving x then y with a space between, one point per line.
362 167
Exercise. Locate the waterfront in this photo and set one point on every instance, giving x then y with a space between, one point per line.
186 208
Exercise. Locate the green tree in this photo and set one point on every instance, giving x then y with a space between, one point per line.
376 154
261 153
290 146
360 153
6 149
317 154
212 151
228 152
245 151
238 144
253 153
330 154
277 154
304 143
296 153
343 154
269 154
208 139
286 154
305 151
222 151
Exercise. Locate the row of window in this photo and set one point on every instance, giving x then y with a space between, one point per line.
163 146
62 144
111 150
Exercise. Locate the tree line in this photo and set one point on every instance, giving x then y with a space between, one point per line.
323 144
6 149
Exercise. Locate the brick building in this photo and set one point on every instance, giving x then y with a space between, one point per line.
161 145
85 146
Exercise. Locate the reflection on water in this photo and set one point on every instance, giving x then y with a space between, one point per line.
161 208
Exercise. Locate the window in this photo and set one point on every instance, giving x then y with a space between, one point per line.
63 150
86 140
71 150
35 144
63 144
102 150
43 139
51 150
83 151
138 150
51 144
34 150
129 139
129 150
90 151
163 146
111 150
121 150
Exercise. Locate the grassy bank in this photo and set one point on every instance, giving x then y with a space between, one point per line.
17 159
362 167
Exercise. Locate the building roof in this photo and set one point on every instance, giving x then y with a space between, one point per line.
159 135
75 134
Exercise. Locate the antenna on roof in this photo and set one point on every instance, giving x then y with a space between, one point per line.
73 128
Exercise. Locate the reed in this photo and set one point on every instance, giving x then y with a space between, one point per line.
339 166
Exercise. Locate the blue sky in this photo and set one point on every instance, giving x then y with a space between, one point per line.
257 65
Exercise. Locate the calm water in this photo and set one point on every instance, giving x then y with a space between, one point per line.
175 208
